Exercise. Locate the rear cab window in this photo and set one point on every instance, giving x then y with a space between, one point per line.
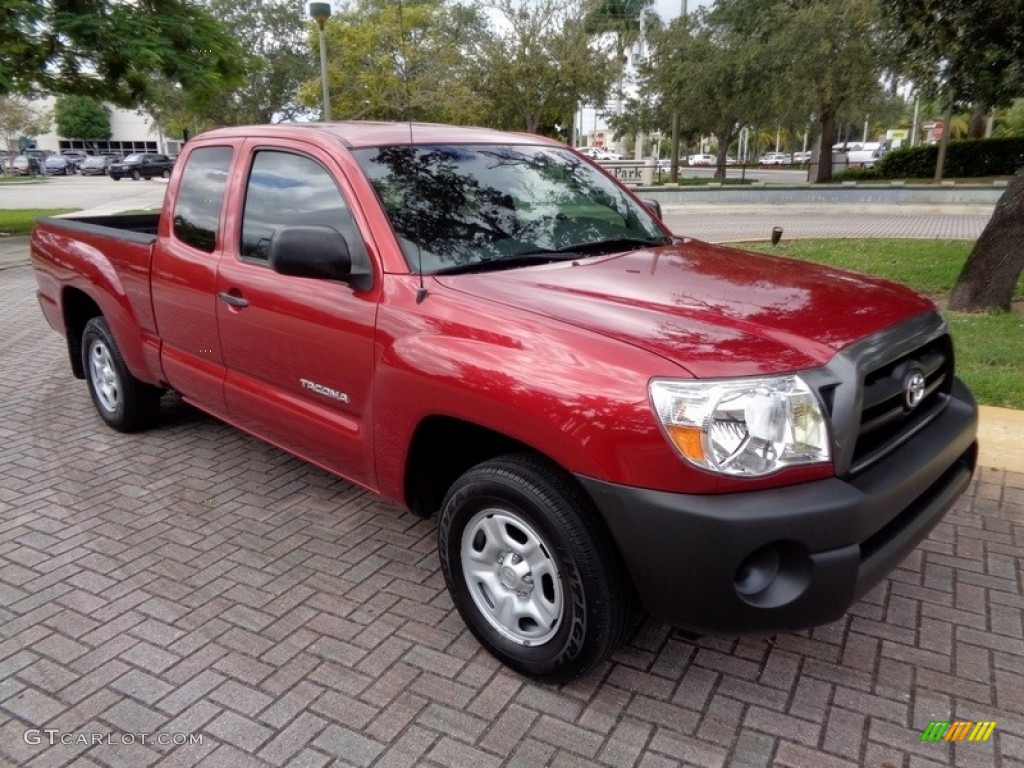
200 197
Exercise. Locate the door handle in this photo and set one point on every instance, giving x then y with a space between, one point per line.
234 301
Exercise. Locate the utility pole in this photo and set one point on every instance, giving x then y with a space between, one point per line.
321 12
638 150
674 173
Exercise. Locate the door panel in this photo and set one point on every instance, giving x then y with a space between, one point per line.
299 352
184 275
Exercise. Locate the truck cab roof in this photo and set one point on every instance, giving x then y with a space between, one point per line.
358 133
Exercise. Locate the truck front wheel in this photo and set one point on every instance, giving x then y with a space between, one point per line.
124 402
531 569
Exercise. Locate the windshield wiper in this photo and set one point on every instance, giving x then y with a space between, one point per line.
613 244
506 262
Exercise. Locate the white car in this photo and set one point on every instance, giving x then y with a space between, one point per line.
702 160
598 154
775 158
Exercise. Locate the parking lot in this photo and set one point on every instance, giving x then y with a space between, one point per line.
196 584
84 192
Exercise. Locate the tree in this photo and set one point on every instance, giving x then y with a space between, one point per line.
702 68
969 53
989 277
622 19
978 52
116 50
537 63
275 34
829 54
81 117
19 117
391 61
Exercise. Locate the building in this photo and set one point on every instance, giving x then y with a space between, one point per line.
130 131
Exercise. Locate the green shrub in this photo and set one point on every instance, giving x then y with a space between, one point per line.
964 159
858 174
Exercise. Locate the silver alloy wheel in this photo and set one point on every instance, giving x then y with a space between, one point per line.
512 577
104 377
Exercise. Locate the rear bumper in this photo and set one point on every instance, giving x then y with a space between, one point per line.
791 557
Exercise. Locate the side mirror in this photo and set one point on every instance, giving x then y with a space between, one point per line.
653 206
317 252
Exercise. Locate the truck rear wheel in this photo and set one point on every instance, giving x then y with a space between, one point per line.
124 402
531 569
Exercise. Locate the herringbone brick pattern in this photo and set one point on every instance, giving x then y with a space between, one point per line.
191 580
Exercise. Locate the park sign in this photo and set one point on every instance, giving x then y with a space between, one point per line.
633 172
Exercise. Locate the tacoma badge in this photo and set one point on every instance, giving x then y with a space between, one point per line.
320 389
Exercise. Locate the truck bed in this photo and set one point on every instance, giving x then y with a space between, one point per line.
131 227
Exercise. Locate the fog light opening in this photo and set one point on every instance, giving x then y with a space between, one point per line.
757 572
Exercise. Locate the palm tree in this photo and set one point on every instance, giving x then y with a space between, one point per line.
623 19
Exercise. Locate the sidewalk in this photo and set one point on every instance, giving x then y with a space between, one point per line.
13 251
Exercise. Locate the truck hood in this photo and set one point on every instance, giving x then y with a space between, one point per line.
716 311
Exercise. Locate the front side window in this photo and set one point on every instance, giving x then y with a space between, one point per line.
457 207
287 189
201 197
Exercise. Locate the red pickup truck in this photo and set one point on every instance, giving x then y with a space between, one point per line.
486 325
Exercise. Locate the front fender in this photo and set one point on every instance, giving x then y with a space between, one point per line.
577 397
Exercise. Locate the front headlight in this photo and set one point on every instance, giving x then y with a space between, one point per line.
746 427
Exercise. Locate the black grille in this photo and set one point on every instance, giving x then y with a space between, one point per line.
886 418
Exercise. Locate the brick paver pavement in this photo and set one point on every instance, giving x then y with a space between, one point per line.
192 580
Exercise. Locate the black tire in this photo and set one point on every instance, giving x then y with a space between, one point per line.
124 402
115 178
165 174
136 175
523 500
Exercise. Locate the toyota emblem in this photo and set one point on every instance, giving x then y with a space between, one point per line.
913 389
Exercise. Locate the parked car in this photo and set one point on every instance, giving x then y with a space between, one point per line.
804 156
605 417
599 154
866 154
76 156
22 165
775 158
141 166
702 160
58 165
96 165
18 165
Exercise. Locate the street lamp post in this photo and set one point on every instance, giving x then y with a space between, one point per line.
321 12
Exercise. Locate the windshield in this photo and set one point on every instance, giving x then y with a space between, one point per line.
134 158
457 206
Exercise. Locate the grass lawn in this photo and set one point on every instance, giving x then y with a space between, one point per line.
18 221
989 348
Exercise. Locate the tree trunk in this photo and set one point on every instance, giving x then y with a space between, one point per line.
979 115
724 139
823 170
990 273
947 119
